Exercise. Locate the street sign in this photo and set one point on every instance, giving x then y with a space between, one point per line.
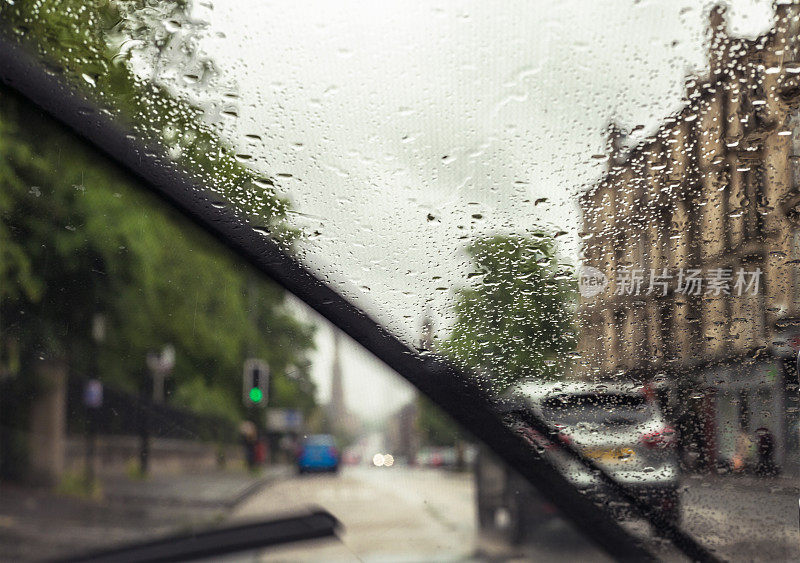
160 365
255 383
162 362
99 327
285 420
93 394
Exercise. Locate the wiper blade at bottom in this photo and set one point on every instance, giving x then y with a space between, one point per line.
221 541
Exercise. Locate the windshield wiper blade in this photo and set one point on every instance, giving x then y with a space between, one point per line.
458 394
221 541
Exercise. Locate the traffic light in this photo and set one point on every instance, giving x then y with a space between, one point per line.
255 383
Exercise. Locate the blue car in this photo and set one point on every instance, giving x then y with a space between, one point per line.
318 453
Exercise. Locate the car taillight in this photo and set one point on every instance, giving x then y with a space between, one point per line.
541 442
649 392
332 451
664 438
562 437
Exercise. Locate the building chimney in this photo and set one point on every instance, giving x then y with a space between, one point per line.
338 408
717 39
614 144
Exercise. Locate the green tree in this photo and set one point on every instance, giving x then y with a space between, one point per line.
77 237
435 428
93 44
517 319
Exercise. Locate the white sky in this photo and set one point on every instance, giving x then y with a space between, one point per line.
371 389
384 113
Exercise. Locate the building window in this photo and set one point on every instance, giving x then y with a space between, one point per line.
796 268
665 318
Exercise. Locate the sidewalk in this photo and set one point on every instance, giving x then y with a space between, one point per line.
38 524
223 489
779 484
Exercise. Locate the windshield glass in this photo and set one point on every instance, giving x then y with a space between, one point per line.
599 193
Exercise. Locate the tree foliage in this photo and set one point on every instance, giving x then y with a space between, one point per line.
78 237
96 46
434 426
516 320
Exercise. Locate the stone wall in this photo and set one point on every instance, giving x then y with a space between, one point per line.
117 454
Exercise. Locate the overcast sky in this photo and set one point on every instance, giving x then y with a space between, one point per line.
402 132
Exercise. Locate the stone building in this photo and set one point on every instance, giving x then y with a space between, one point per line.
696 231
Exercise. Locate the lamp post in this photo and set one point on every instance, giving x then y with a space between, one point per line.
93 395
160 366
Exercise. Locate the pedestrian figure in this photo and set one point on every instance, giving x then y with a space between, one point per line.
766 452
260 452
742 451
249 434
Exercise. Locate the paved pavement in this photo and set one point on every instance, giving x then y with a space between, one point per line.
36 524
744 518
405 514
396 514
401 514
214 490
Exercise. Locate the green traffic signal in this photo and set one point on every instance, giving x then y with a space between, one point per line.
256 395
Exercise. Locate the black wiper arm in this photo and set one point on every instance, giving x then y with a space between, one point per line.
221 541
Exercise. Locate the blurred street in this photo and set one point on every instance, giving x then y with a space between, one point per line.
388 514
402 514
36 524
419 514
744 518
408 514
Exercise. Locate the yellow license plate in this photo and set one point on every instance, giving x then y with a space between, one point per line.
611 455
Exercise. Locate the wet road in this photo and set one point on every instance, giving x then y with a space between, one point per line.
396 514
37 524
402 514
744 519
405 514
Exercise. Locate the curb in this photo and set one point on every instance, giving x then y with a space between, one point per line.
257 486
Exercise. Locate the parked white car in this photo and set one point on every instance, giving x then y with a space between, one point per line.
618 425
